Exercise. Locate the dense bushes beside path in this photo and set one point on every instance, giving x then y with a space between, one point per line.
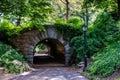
104 31
10 59
107 61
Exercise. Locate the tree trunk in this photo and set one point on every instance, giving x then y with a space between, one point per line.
67 10
118 9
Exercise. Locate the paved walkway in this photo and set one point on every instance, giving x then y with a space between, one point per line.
51 74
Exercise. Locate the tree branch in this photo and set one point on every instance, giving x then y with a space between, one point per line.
63 1
67 10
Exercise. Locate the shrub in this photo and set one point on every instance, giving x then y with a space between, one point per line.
75 21
10 29
107 61
103 32
76 47
77 44
7 56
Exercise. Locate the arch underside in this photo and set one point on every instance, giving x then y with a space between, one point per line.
58 47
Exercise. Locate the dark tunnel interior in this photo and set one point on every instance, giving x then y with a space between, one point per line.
54 52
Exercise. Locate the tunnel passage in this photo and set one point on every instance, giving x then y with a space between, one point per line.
56 45
53 51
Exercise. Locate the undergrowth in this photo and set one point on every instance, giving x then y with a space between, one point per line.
8 58
107 61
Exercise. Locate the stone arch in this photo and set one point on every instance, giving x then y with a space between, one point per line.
30 38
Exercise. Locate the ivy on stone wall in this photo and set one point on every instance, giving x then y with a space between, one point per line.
69 29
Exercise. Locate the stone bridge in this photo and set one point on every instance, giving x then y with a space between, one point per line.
57 46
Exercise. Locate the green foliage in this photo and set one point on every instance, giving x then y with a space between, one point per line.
110 6
107 28
103 32
39 47
14 7
75 21
36 10
59 8
10 29
107 61
40 10
7 56
69 29
76 44
18 15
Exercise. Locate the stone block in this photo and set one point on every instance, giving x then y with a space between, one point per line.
31 47
42 34
30 56
37 39
51 32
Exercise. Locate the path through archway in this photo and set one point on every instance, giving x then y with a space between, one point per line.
49 51
50 37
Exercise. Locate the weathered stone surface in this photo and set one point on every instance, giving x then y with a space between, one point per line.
68 54
51 32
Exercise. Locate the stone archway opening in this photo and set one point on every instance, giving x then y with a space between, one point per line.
49 51
50 37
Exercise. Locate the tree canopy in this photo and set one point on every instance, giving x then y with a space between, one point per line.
36 11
